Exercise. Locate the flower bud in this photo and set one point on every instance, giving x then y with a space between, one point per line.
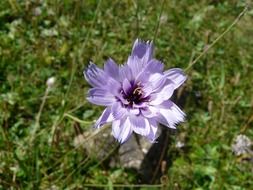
50 82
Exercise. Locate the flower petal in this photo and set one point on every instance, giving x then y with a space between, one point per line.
116 128
154 66
169 114
149 112
112 69
125 72
156 81
140 125
118 111
126 85
135 65
153 129
104 118
126 131
134 110
98 78
101 97
164 94
138 107
121 130
142 50
176 75
147 90
95 76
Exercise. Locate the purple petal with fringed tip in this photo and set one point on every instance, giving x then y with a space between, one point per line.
106 117
121 130
139 125
142 50
101 97
112 69
169 114
176 75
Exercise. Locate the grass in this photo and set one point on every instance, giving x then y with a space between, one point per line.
41 39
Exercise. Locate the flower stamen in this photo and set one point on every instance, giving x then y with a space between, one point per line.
137 91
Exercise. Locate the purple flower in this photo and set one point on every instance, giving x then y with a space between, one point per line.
136 94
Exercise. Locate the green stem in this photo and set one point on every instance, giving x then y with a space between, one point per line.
77 119
218 38
159 21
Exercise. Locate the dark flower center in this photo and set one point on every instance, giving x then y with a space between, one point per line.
134 95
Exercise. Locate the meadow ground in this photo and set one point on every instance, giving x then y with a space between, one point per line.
43 39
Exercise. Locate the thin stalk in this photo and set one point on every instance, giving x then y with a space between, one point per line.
37 120
159 21
218 38
77 119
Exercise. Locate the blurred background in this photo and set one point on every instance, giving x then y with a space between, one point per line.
46 135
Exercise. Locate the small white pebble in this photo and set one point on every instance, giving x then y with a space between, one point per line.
144 150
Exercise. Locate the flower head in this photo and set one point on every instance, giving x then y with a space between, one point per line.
241 145
50 82
136 94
